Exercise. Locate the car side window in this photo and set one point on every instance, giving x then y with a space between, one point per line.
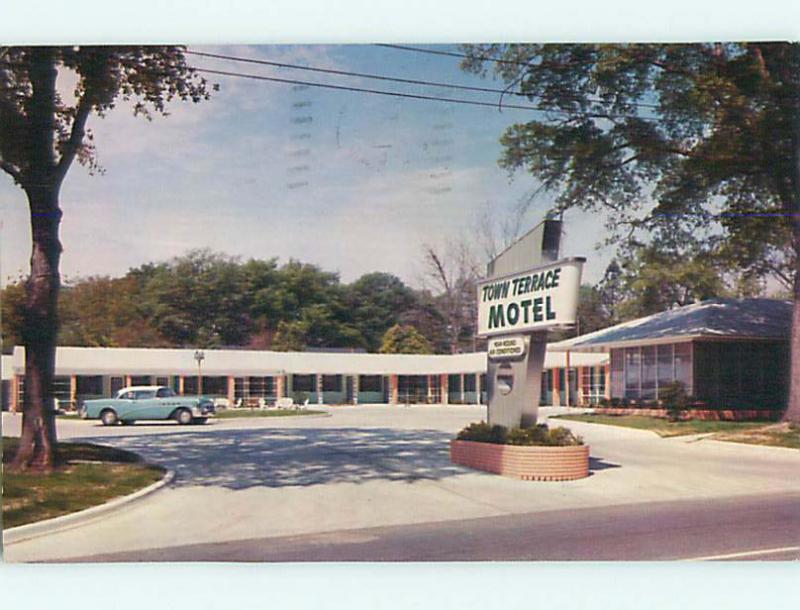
127 396
164 393
143 395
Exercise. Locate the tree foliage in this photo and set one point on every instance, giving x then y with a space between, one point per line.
208 299
405 340
705 136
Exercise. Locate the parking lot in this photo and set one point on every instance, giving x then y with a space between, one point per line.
367 467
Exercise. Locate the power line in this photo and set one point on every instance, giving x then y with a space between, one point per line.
451 100
496 60
395 79
416 96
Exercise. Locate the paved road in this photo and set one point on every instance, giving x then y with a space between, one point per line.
761 527
240 481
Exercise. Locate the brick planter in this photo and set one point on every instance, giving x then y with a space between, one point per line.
523 462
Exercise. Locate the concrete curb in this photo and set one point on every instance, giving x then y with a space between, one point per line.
82 517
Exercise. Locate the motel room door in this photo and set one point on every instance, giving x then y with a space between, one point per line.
349 389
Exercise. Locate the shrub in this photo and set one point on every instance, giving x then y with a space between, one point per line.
482 432
603 402
539 435
675 400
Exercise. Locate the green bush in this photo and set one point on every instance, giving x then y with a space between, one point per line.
675 399
539 435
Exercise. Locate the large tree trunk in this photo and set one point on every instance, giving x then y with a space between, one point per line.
793 407
792 206
37 448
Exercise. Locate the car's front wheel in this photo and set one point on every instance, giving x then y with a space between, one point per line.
183 417
109 417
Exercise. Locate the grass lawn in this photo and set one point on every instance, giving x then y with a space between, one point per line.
234 413
777 435
90 475
664 427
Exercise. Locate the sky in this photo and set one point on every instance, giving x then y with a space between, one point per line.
349 181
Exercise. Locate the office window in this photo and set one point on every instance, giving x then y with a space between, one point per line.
331 383
370 383
304 383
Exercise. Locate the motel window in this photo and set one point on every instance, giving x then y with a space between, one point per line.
253 387
666 367
683 365
304 383
469 382
117 383
649 372
633 370
162 381
331 383
89 385
141 380
454 383
215 386
370 383
617 372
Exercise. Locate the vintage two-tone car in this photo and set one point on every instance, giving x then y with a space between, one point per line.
148 402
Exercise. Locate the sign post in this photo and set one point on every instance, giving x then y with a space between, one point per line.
528 291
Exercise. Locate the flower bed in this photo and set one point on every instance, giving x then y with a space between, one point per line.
701 414
534 454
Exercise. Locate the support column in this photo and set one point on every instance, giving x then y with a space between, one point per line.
319 389
607 373
127 380
231 390
15 383
556 387
281 386
73 391
394 390
462 388
355 389
430 389
444 389
566 383
181 385
581 399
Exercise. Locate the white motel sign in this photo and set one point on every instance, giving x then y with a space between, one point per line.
537 299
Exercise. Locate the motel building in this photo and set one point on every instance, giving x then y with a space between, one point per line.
258 378
728 353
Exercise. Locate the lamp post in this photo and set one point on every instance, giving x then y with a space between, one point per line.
199 356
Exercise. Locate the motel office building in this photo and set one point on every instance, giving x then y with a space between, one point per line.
251 378
728 353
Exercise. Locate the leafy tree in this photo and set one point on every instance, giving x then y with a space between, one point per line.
197 300
405 340
12 299
290 337
378 301
41 135
705 135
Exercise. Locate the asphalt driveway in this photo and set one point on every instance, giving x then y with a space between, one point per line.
368 467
